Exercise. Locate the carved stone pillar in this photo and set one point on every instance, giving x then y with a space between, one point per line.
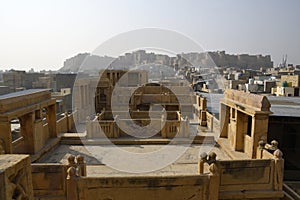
51 112
260 130
5 136
28 132
224 120
240 132
203 103
203 121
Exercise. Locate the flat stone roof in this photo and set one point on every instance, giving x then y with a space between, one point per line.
186 164
280 106
20 103
22 93
285 106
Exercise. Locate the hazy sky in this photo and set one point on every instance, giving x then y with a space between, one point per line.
41 34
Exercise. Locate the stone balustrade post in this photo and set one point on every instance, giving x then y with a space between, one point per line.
214 181
72 193
279 169
260 149
81 165
214 176
6 137
202 160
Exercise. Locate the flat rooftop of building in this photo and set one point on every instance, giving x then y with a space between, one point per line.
22 93
285 106
185 164
280 106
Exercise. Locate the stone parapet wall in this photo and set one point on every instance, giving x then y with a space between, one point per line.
146 187
66 124
49 180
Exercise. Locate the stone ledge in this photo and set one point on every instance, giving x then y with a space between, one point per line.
76 139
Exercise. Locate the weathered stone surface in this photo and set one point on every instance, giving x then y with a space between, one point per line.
244 119
249 99
15 177
27 107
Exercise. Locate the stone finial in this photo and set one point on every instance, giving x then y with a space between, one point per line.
261 144
212 157
71 173
274 145
203 156
80 159
71 160
81 166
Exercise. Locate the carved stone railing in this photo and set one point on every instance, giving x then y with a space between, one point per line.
137 187
110 128
239 179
